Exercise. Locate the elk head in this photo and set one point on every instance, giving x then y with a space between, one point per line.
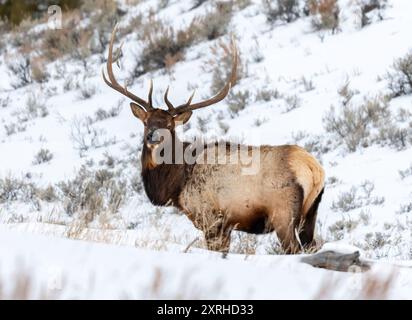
156 119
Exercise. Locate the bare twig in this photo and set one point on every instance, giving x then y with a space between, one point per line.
190 245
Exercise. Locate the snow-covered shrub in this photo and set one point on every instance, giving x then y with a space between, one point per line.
406 173
283 10
292 102
109 161
332 181
43 156
92 192
20 68
393 135
346 201
35 107
357 197
69 84
404 115
266 95
325 14
400 77
198 3
307 84
350 126
359 126
14 189
4 102
85 136
136 184
405 208
237 101
161 43
259 121
13 128
377 240
256 53
48 194
315 144
214 24
102 114
202 123
346 93
370 10
342 227
87 91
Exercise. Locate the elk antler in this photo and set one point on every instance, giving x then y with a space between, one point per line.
148 105
188 106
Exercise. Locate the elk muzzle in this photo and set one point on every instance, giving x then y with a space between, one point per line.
154 137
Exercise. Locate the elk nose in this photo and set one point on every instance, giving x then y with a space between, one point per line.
153 137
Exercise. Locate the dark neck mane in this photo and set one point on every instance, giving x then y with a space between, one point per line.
163 183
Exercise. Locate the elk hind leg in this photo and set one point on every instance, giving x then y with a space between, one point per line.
306 233
285 220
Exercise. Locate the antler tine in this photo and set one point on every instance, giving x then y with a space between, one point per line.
191 98
168 103
113 82
221 94
151 94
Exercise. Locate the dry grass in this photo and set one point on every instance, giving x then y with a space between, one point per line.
188 289
24 287
66 41
366 286
220 64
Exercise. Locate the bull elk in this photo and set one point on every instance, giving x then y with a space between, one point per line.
282 196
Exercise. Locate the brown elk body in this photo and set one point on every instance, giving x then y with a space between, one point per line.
283 195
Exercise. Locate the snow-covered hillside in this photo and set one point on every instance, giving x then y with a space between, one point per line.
70 147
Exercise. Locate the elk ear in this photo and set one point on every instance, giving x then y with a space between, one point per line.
182 118
138 112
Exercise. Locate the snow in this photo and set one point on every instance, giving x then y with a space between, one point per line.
140 242
68 269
